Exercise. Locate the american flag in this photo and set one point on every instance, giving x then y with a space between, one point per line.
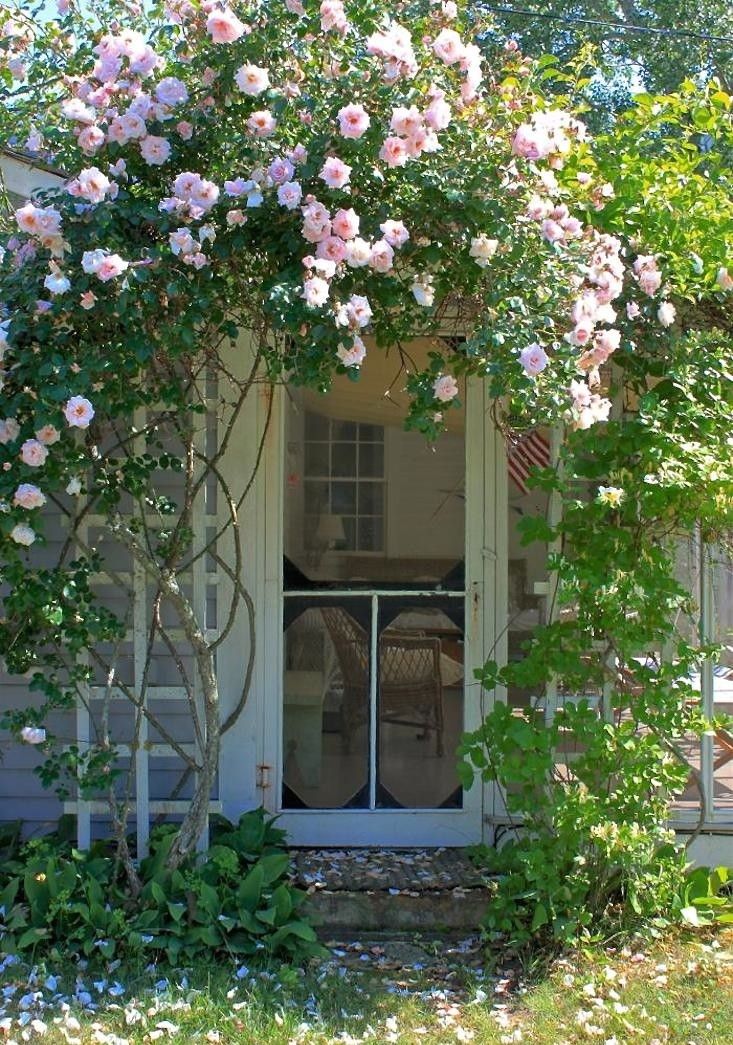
525 452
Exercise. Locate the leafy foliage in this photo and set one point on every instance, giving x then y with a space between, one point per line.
236 900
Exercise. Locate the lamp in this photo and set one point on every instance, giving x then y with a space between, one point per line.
330 531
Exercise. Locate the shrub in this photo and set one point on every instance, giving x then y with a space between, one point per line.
236 899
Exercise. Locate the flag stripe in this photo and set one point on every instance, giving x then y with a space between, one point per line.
531 450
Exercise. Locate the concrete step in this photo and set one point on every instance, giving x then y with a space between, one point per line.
374 890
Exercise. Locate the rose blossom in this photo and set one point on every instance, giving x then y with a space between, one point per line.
171 91
346 223
438 114
357 312
90 140
25 535
48 435
335 173
406 121
332 248
666 313
448 46
315 291
394 151
56 282
88 300
103 265
91 184
289 195
333 16
395 233
78 412
381 256
9 430
33 453
252 79
154 150
632 310
358 253
73 487
353 120
262 124
281 170
224 27
185 129
445 388
31 734
483 249
353 356
28 496
534 359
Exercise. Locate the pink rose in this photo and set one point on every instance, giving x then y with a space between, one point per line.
171 91
445 388
551 231
224 27
78 412
9 430
530 142
395 233
358 253
91 185
381 256
88 300
289 195
333 16
252 79
315 291
29 497
90 140
23 534
353 121
154 150
281 170
346 223
185 129
438 114
448 46
406 121
33 453
48 435
394 152
332 248
632 310
353 356
534 359
335 173
262 124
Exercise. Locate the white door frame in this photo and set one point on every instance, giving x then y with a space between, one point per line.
485 583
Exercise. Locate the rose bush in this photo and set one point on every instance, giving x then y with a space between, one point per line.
333 179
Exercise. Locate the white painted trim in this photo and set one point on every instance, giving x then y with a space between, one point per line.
22 178
380 826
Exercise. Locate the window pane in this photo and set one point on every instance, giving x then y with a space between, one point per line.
371 433
343 498
370 534
345 430
316 497
343 459
316 459
371 460
371 498
326 709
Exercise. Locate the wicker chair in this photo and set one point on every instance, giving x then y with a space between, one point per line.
410 685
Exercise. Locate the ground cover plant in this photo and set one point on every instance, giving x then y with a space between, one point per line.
254 194
234 899
676 993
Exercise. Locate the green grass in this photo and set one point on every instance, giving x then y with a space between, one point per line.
676 991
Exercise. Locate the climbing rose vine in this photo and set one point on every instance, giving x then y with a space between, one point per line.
332 179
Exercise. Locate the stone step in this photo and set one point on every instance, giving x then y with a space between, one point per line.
344 911
394 890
